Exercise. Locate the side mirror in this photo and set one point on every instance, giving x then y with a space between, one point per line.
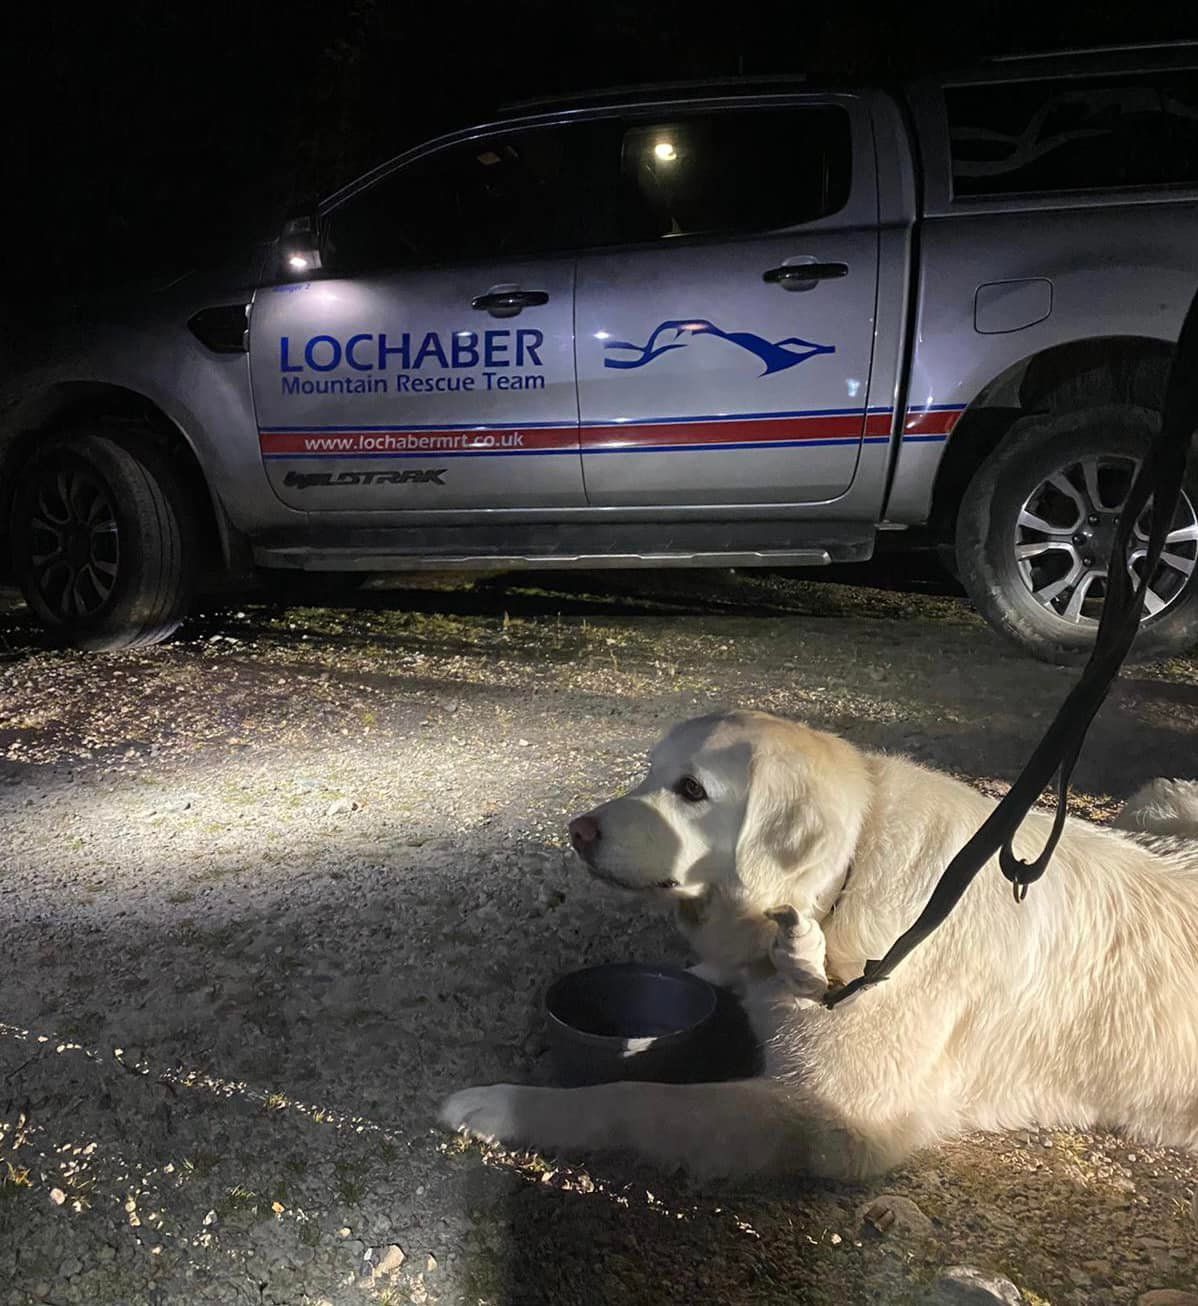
299 245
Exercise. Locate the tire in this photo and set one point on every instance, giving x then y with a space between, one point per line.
1016 596
110 512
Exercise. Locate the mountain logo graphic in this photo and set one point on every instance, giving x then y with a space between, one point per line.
777 355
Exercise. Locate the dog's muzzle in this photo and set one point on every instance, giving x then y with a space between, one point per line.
585 838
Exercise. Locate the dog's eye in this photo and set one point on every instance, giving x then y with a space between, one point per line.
689 789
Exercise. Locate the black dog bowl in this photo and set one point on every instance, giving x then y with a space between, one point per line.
626 1020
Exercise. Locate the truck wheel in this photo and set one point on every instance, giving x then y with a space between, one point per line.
1036 527
100 536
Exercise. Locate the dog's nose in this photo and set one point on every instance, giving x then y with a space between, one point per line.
584 831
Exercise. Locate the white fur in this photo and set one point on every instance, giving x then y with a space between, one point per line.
1162 807
1077 1008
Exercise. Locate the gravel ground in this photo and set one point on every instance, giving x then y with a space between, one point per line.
269 892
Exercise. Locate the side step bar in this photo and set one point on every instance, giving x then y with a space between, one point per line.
544 545
350 560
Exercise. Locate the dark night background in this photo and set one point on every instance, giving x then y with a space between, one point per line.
142 134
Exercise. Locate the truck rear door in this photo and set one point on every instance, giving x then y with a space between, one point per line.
725 358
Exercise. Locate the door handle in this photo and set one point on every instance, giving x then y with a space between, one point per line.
790 275
507 302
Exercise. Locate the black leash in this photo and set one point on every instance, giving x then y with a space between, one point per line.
1159 479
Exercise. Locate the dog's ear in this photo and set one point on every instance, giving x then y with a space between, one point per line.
799 827
776 834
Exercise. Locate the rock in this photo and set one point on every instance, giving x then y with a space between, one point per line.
342 807
1167 1297
962 1285
390 1260
344 1231
57 1196
105 1254
69 1268
889 1214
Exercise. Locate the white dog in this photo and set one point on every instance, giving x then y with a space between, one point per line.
791 856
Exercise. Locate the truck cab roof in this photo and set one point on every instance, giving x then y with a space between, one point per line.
1080 62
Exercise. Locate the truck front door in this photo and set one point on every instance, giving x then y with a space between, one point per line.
431 365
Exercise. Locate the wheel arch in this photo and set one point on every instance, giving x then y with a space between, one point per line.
70 404
1080 373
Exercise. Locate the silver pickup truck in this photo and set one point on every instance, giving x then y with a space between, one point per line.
751 325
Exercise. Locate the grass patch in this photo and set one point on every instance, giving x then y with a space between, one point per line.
349 1187
14 1177
200 1164
242 1205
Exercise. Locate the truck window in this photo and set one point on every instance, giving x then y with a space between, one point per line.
596 184
524 193
738 172
1050 137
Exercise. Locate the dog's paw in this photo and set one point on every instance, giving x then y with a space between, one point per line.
722 977
706 971
485 1113
798 953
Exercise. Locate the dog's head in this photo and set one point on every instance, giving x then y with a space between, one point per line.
752 805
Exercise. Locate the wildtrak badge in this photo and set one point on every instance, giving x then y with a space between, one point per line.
331 480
